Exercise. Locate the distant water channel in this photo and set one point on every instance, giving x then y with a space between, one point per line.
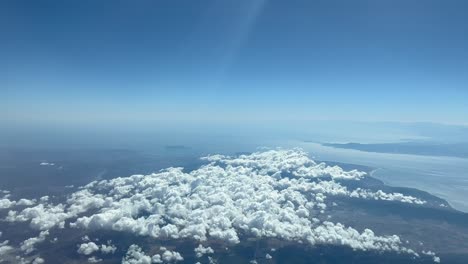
445 177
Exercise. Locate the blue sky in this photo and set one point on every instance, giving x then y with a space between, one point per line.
84 62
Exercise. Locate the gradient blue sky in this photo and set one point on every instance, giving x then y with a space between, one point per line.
233 61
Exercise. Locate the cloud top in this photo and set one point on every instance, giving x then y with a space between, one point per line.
279 194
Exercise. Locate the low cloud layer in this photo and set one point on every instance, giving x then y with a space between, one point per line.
135 255
271 194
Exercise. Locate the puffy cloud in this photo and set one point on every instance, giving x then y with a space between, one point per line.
339 234
293 161
94 260
435 258
41 216
87 248
200 251
276 193
5 248
228 195
171 256
156 258
380 195
26 202
109 248
38 260
136 256
5 203
45 216
29 244
46 164
268 256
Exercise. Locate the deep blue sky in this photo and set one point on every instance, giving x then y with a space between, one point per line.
233 61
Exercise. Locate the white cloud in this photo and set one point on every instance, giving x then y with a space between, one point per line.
26 202
5 203
276 193
200 251
109 248
435 258
45 216
230 195
94 260
380 195
87 248
41 216
171 256
136 256
156 258
38 260
29 244
46 164
293 161
5 249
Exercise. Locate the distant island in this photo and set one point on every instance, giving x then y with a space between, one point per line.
417 148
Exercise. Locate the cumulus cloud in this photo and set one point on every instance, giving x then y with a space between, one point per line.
380 195
26 202
200 251
135 255
435 258
5 203
242 194
45 215
5 248
109 248
46 164
29 244
38 260
87 248
171 256
41 216
293 161
156 258
94 260
277 193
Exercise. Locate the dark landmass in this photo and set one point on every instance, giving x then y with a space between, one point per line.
433 226
417 148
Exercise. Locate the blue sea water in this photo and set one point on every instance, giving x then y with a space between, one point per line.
445 177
